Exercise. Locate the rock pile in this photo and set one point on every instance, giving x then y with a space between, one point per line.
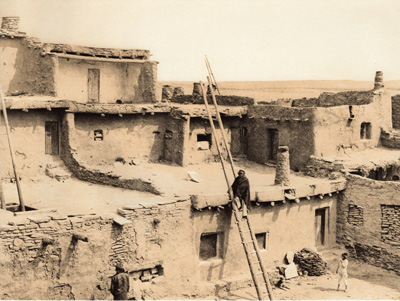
310 262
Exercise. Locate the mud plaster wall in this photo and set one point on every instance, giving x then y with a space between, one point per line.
298 136
23 69
290 227
365 240
176 140
95 174
28 138
160 235
130 136
201 126
335 134
128 82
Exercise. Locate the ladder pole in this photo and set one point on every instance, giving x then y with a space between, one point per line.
265 275
216 139
253 276
21 199
222 128
212 74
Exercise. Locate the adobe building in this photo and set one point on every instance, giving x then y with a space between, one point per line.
86 108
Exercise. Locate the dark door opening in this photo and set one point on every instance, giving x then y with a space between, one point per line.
273 143
52 138
321 226
93 85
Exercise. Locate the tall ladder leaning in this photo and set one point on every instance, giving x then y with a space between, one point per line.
247 236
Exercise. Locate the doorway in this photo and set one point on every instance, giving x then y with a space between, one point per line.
321 226
52 138
272 144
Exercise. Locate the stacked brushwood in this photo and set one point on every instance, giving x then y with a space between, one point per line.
311 262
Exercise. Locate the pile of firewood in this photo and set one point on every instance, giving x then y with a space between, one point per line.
310 262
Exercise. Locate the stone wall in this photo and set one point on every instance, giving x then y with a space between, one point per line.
396 111
390 139
376 239
43 257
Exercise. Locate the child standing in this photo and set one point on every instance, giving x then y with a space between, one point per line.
342 270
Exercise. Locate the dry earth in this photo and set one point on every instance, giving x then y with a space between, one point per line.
366 282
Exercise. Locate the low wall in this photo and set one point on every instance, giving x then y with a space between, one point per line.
367 221
84 172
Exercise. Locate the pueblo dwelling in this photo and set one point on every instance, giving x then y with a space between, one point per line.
84 109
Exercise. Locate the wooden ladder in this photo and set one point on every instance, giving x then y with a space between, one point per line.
247 236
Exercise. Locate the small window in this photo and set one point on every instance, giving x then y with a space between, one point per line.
395 178
211 246
365 130
98 135
262 240
204 141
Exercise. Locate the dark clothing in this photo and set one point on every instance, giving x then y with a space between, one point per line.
241 189
120 286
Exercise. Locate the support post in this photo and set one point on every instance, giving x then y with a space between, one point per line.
3 105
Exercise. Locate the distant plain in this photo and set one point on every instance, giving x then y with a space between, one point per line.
273 90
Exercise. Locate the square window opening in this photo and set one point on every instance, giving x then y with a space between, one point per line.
262 240
210 246
98 135
204 141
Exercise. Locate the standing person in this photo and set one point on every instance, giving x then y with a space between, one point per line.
120 283
342 270
241 192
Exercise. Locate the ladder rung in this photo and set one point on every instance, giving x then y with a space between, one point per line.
246 242
255 262
259 273
253 252
246 231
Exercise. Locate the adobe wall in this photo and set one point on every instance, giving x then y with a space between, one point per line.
336 134
159 248
129 82
28 138
201 126
130 136
367 222
158 238
24 70
295 130
289 227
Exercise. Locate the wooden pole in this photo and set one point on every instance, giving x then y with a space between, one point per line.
2 199
221 125
21 199
212 74
216 140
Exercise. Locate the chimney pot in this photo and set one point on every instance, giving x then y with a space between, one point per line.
10 24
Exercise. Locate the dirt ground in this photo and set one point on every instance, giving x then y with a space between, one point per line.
366 282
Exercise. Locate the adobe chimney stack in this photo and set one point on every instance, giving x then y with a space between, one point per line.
378 80
10 24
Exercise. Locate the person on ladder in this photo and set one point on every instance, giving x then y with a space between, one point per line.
241 192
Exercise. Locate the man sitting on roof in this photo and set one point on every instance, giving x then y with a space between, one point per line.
241 192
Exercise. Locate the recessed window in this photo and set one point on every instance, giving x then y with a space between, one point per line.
98 135
395 178
262 240
204 141
211 246
365 130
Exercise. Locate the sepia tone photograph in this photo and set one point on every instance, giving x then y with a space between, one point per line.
199 150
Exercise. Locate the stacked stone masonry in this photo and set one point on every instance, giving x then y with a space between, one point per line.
396 111
391 224
355 217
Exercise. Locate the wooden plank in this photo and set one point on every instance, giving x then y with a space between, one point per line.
54 138
47 142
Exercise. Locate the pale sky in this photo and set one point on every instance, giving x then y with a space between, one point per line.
244 40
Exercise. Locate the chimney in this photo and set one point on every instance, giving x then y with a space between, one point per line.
282 166
378 80
167 92
10 24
